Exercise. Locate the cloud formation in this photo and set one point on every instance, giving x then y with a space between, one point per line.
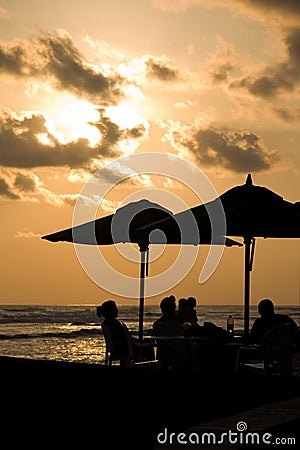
223 62
24 185
26 142
283 11
233 150
27 235
278 78
162 69
6 191
55 56
287 114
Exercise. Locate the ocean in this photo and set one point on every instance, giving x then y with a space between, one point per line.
73 333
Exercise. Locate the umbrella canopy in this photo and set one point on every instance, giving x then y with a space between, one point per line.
136 222
120 227
256 211
251 211
130 224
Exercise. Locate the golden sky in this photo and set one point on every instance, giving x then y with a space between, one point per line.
86 83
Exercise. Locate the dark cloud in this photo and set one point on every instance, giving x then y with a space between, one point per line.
284 11
26 186
287 114
73 73
290 8
25 182
222 62
286 6
12 59
219 74
233 150
54 56
162 69
21 146
6 191
278 78
236 151
137 131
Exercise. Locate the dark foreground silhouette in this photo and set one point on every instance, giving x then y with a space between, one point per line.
64 404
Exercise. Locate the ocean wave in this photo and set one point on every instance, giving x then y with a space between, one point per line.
83 332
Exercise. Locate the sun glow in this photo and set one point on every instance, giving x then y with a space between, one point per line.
130 112
74 119
125 115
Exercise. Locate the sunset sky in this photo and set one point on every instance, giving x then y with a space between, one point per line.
86 83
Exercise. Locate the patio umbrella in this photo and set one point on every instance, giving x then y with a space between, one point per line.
251 211
128 225
255 211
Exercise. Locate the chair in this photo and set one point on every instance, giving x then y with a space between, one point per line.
112 351
132 354
275 353
172 350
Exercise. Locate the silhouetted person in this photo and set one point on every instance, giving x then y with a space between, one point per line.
191 302
169 331
186 312
180 311
268 319
120 332
168 321
109 311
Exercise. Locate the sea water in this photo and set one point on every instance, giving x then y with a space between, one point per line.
73 333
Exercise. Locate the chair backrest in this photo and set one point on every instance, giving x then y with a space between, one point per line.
170 352
128 339
113 346
278 343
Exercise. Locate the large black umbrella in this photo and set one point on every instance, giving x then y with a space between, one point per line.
130 224
255 211
251 211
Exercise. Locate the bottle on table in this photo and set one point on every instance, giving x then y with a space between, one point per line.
230 324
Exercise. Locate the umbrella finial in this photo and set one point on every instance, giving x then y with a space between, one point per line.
249 180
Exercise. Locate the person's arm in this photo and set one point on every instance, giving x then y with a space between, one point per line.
254 335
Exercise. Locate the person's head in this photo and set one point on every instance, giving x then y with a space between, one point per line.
168 305
191 302
108 309
181 303
266 308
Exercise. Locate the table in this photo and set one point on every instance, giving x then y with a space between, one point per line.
197 352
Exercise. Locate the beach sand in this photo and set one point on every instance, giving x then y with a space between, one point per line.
66 404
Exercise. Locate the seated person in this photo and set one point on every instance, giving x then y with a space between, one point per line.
187 310
170 352
180 312
168 321
268 319
120 334
188 316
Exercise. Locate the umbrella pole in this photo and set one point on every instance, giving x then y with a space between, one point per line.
249 254
143 251
247 287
